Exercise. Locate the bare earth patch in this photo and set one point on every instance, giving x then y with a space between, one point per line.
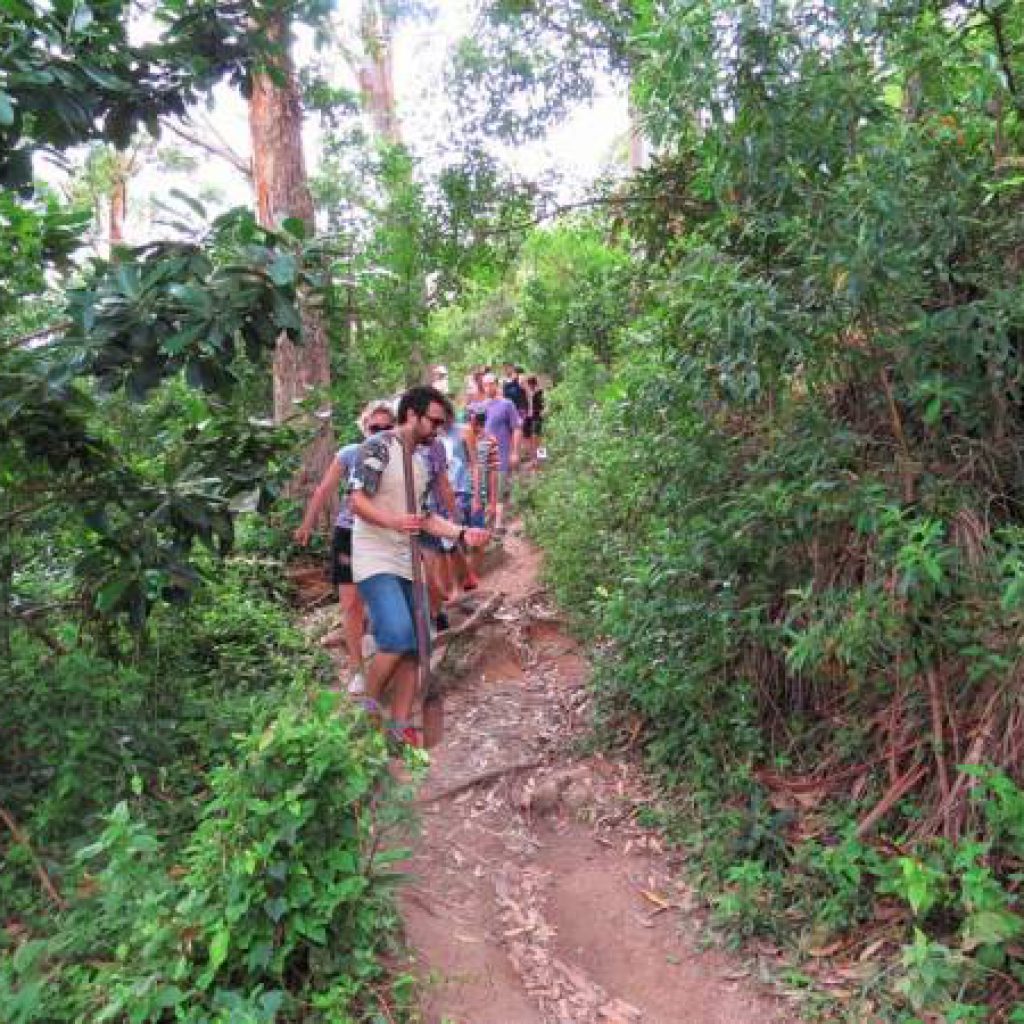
535 897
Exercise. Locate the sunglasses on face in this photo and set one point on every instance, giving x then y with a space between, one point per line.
376 428
438 421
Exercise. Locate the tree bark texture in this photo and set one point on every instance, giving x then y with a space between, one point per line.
282 191
376 76
118 206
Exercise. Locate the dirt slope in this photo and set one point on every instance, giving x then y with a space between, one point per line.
536 898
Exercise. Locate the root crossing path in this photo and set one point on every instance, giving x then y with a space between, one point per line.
535 897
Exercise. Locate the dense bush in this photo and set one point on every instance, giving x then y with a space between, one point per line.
213 820
274 908
788 507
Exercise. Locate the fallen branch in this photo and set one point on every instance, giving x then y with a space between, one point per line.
480 780
22 840
939 745
475 620
892 797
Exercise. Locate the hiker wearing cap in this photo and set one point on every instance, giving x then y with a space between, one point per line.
382 563
504 422
377 416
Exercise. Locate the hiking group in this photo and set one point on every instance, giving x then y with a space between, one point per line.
421 496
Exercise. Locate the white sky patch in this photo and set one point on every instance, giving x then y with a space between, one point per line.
591 142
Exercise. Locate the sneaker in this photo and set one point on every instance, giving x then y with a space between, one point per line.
357 684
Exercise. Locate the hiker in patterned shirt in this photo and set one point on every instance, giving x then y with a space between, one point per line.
381 550
478 504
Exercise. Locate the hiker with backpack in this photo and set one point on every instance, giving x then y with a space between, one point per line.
388 488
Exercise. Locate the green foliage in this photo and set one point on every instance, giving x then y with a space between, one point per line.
143 331
783 493
276 902
526 64
164 719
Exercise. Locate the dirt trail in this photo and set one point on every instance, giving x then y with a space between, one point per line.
535 897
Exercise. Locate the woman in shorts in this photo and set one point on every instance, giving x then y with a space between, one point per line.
376 417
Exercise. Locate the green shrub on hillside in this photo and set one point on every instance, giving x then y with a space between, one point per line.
274 909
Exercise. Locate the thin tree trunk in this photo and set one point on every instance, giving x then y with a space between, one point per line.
282 191
376 76
118 205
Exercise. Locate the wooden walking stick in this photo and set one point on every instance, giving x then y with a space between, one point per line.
426 689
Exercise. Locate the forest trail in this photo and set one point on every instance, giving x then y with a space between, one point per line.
535 897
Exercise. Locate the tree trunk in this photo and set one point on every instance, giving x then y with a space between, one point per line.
118 205
376 77
282 191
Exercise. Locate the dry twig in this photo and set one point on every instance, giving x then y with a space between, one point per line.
480 780
44 879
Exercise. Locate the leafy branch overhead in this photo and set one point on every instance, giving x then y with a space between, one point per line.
143 323
74 73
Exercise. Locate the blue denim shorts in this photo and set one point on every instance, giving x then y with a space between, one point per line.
388 599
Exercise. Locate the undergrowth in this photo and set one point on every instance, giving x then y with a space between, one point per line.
208 836
772 620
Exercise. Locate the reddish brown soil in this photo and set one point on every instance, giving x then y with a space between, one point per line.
535 896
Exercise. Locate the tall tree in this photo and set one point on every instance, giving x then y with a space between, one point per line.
376 74
283 198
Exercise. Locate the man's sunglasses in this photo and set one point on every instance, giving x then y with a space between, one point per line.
438 421
376 428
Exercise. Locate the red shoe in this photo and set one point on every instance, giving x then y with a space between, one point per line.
471 582
410 736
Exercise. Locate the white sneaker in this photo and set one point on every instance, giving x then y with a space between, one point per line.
357 685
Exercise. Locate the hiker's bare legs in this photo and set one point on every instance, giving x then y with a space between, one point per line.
382 669
404 690
436 589
460 570
352 622
398 670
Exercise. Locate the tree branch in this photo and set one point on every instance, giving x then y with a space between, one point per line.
480 780
557 211
41 332
44 879
216 147
995 19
